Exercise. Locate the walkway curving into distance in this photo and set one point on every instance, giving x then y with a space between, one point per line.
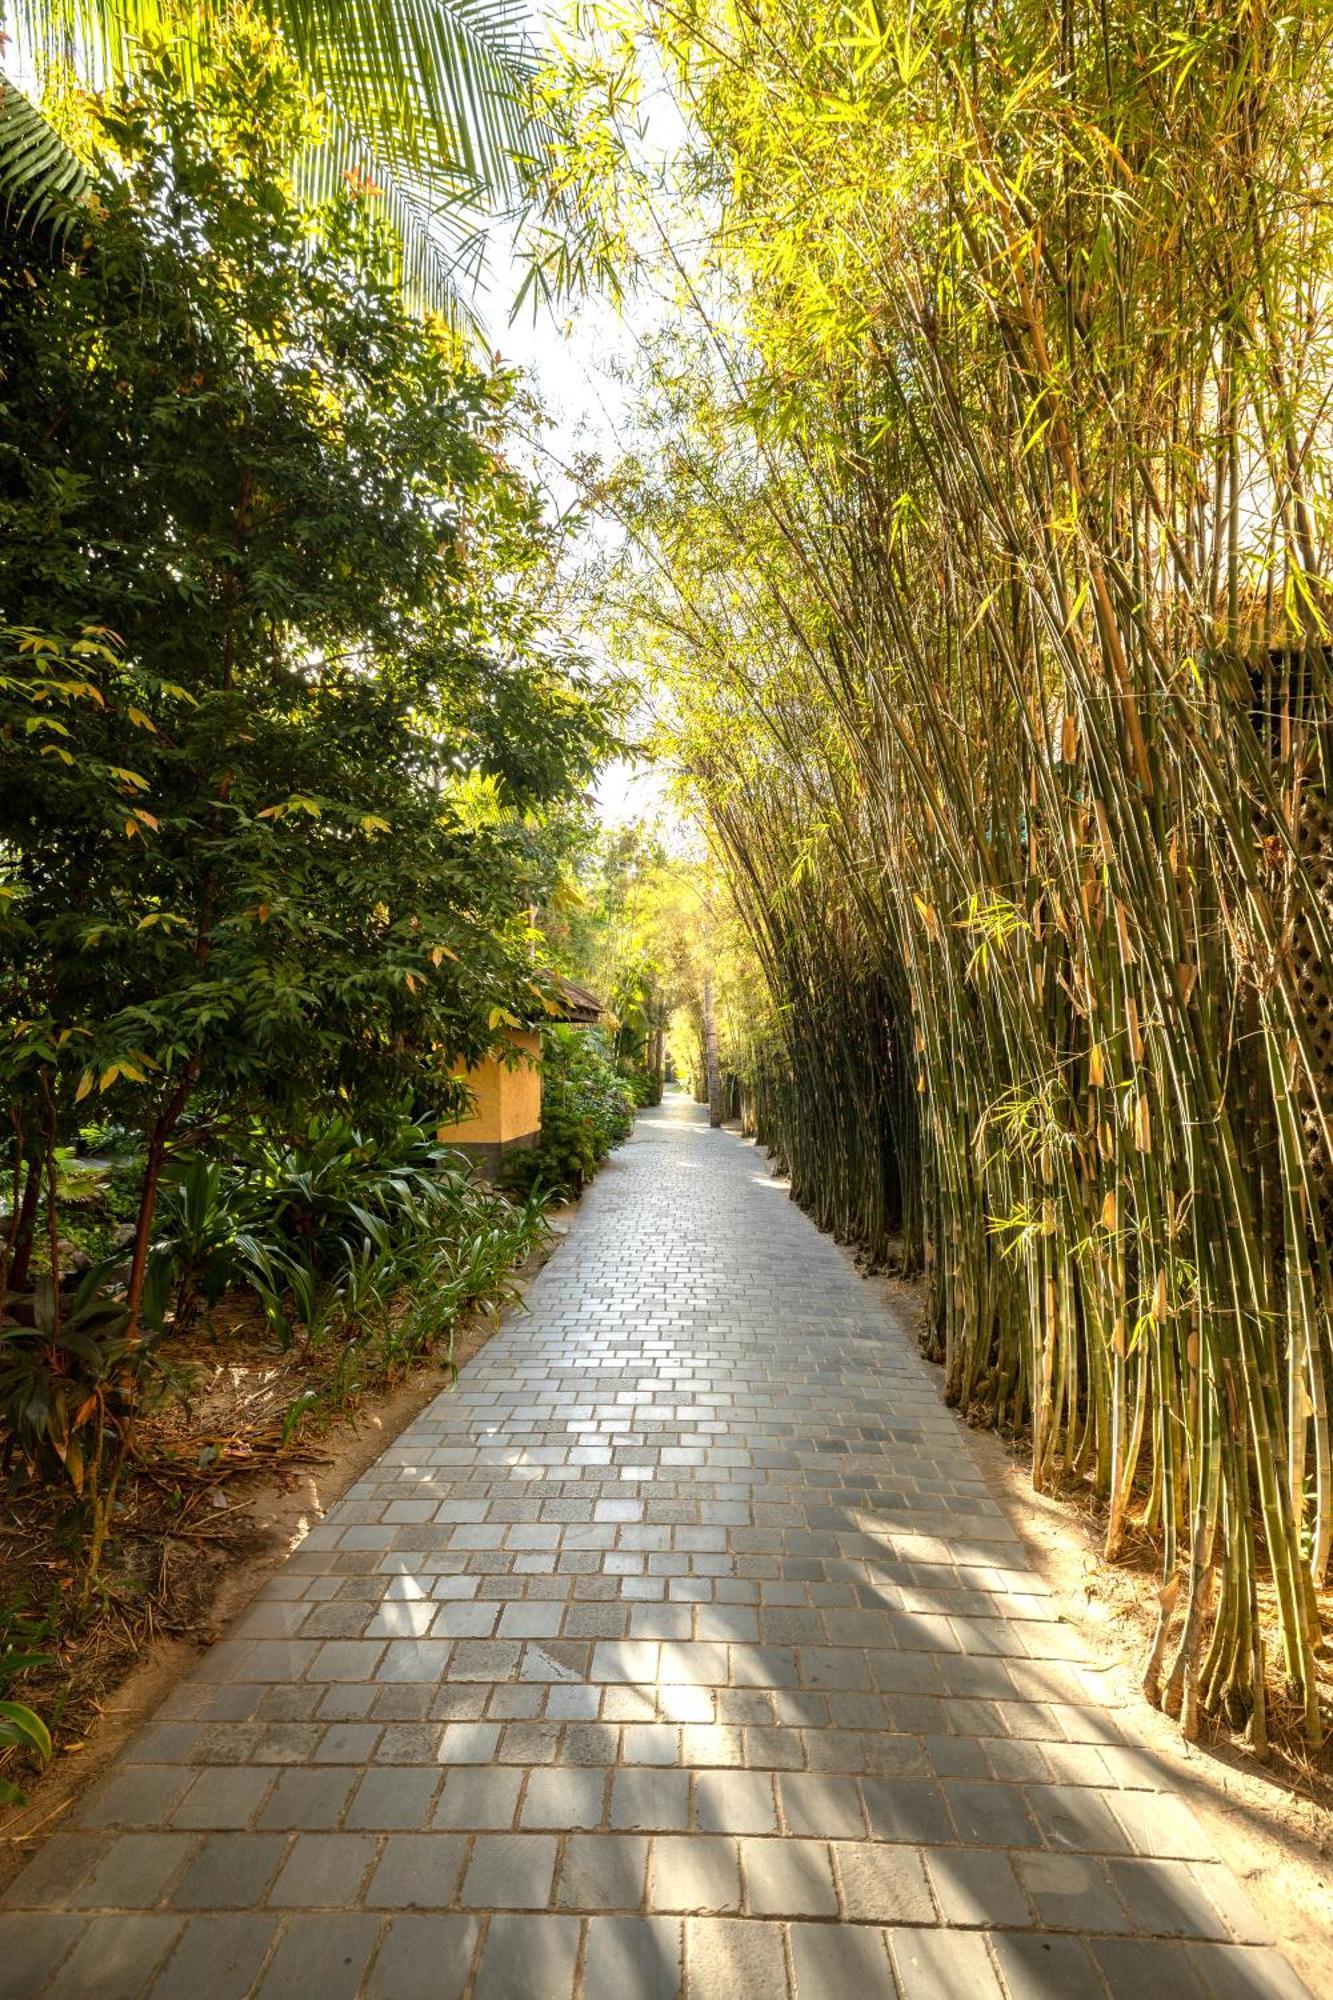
682 1649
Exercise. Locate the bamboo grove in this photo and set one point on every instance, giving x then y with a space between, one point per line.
982 540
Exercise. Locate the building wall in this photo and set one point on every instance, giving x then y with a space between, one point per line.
508 1103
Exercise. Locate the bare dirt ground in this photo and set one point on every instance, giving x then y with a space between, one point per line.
1271 1824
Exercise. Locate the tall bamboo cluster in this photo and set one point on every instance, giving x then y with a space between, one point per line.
987 532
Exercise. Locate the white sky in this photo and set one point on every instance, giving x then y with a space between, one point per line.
570 365
575 361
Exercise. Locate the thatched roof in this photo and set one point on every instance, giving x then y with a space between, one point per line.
578 1004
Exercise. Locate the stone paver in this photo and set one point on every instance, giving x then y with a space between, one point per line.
682 1650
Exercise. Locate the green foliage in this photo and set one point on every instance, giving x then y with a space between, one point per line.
980 536
333 1235
289 752
71 1375
587 1108
42 184
22 1730
644 1086
271 588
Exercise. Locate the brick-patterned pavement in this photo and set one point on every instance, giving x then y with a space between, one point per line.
682 1649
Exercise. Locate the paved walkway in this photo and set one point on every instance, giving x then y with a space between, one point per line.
682 1648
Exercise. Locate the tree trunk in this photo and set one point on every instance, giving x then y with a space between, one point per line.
710 1055
143 1228
26 1221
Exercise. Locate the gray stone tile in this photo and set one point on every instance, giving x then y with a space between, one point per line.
694 1872
135 1872
977 1887
1233 1972
815 1804
1158 1825
417 1871
115 1958
1166 1899
398 1799
839 1962
324 1956
735 1802
323 1871
564 1798
603 1871
992 1815
468 1742
788 1878
906 1809
1138 1965
137 1795
218 1958
424 1958
224 1798
311 1800
1073 1892
1072 1817
528 1958
56 1870
510 1871
32 1944
230 1871
479 1800
638 1956
727 1960
948 1965
650 1801
1033 1967
882 1884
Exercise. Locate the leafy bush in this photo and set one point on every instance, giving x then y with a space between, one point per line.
645 1087
587 1108
284 732
25 1736
383 1240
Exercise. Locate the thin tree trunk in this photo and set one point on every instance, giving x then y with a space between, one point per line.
710 1055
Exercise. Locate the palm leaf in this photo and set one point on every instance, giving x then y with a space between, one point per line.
432 83
429 98
41 181
439 243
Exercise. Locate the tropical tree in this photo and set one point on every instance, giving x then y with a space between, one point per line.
280 714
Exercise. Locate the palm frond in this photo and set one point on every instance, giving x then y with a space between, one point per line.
441 83
41 180
428 98
440 244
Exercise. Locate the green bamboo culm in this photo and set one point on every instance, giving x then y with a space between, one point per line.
982 543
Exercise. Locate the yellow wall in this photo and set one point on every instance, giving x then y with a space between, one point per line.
508 1106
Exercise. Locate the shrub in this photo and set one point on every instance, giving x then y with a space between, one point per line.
645 1087
587 1108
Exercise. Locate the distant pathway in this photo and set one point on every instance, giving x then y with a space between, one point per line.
683 1649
